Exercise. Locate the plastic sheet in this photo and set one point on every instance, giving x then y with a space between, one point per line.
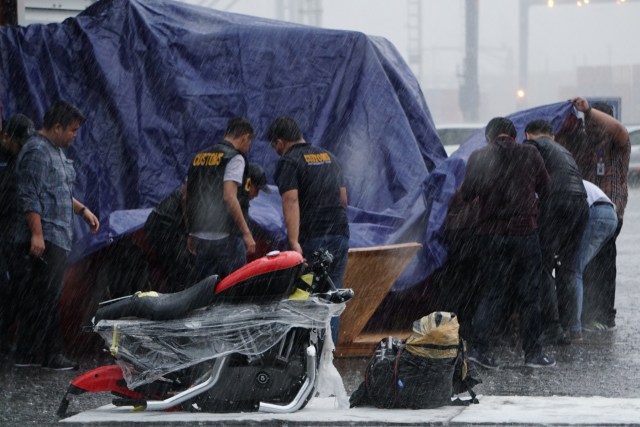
148 350
330 382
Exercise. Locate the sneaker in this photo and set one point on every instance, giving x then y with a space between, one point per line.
58 362
481 359
596 326
26 361
539 360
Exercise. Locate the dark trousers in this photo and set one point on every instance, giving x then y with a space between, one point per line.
509 271
221 257
457 281
600 284
338 246
39 284
7 294
562 223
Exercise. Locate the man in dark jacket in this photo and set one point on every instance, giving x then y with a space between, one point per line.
507 178
564 212
16 132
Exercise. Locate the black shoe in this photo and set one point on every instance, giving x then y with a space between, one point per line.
481 359
539 360
58 362
554 335
26 361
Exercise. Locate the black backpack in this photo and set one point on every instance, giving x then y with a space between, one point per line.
423 371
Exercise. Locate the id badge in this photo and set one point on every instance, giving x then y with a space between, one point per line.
600 169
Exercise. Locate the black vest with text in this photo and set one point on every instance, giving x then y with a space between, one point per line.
206 210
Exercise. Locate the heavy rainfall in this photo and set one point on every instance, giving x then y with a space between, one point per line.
241 211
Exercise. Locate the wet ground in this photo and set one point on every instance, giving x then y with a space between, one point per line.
604 364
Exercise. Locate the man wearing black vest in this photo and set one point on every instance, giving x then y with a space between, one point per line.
218 203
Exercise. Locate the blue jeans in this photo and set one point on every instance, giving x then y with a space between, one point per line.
338 246
600 227
221 257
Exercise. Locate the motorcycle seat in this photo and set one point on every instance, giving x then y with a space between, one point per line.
158 306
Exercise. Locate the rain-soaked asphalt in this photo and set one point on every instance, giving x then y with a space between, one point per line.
605 364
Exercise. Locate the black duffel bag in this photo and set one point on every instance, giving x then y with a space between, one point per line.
424 371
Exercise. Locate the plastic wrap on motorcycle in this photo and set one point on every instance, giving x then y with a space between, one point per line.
149 350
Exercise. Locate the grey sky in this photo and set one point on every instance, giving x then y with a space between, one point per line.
561 39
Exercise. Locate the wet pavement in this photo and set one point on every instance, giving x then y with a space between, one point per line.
604 364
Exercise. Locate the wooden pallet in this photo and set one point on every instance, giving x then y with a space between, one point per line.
371 272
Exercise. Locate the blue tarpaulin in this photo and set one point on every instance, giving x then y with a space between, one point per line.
159 80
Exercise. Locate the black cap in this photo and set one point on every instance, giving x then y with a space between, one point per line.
258 177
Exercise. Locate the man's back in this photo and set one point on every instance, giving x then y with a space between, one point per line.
561 166
317 176
507 178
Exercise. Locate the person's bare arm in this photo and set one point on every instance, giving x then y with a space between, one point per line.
613 127
343 196
230 197
291 211
37 238
86 214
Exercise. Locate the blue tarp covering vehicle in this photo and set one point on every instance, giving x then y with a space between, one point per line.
158 81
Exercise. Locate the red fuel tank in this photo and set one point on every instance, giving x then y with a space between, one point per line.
272 276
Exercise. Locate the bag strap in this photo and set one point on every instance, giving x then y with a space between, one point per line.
465 381
395 375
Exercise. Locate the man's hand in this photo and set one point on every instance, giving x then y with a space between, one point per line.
91 220
37 245
580 103
295 246
192 246
249 243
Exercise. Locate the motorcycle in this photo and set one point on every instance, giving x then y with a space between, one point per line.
249 342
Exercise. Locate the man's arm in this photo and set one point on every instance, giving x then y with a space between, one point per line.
30 175
543 180
230 197
291 211
469 189
86 215
343 196
34 222
618 132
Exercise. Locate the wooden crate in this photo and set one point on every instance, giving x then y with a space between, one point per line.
371 272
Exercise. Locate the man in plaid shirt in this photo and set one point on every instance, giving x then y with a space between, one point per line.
45 179
603 159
